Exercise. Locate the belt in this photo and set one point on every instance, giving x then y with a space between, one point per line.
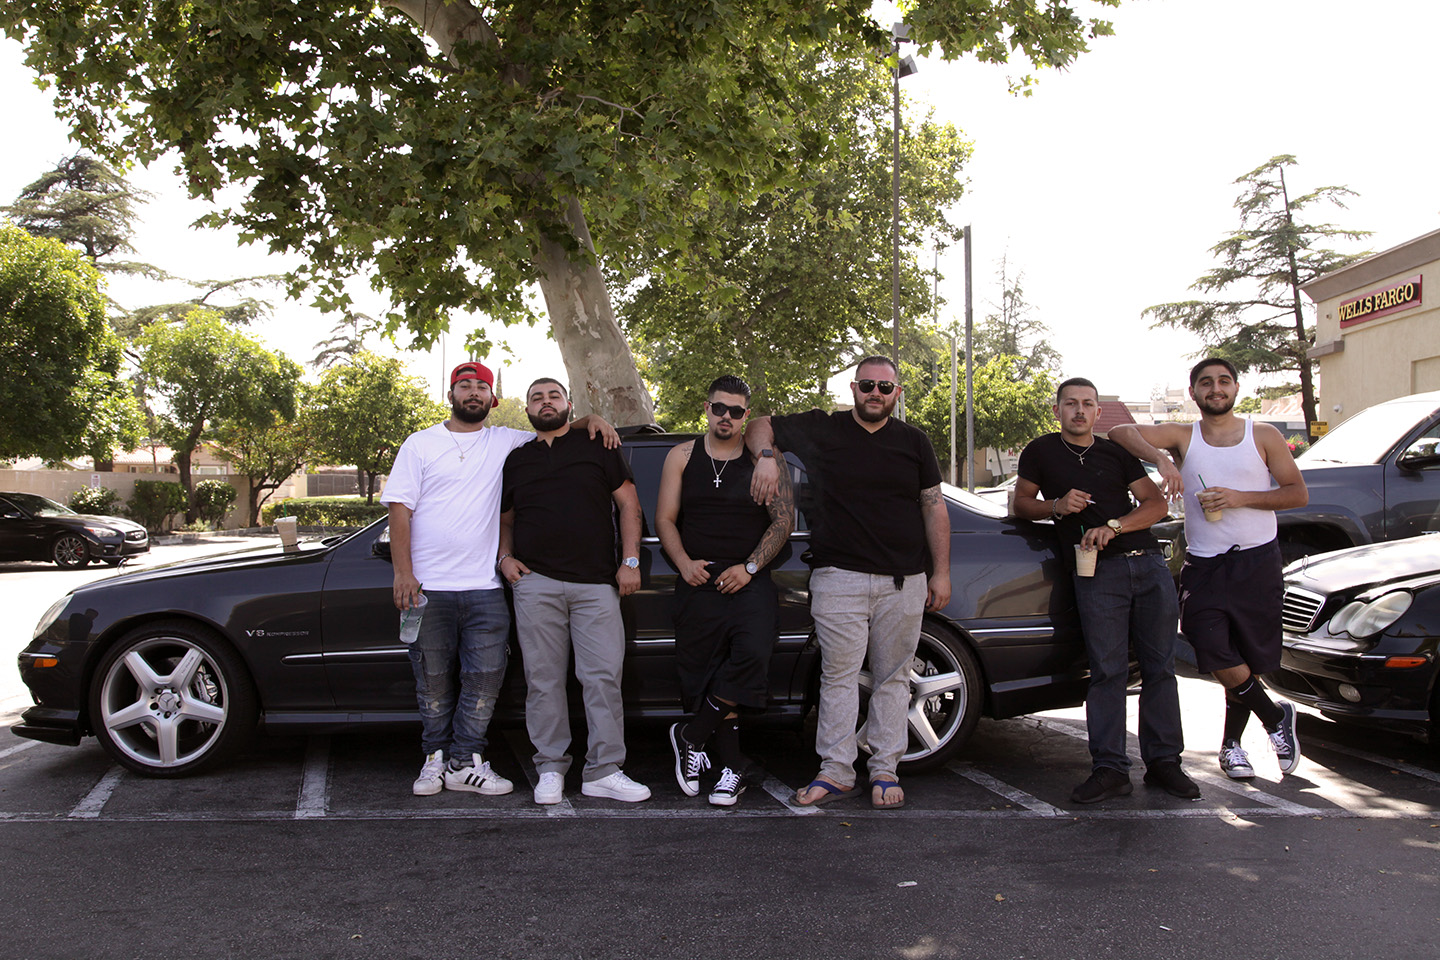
1148 551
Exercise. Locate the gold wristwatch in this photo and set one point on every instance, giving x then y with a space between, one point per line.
1114 525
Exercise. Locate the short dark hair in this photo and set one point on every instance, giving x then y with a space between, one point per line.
729 383
878 358
557 383
1075 382
1213 362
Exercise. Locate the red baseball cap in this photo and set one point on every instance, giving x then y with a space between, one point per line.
472 370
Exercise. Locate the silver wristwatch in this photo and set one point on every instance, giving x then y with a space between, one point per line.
751 568
632 562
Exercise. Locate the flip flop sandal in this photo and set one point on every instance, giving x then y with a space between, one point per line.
832 792
886 785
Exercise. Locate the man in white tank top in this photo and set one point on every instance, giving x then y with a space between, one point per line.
1230 587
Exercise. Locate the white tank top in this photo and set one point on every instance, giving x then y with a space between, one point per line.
1240 468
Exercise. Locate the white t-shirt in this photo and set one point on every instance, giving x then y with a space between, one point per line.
455 529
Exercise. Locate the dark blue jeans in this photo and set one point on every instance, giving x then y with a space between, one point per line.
1131 602
459 661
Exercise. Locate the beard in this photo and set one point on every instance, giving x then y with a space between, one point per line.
723 429
1216 406
866 413
464 415
548 421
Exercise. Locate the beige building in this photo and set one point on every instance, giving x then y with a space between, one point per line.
1377 336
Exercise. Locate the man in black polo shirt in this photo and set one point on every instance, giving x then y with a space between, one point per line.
879 523
557 551
1130 600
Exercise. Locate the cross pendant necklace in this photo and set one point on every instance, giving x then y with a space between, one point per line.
723 465
460 448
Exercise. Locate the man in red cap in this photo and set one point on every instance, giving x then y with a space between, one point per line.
444 501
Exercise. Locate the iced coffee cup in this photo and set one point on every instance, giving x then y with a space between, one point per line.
289 530
1211 515
1085 560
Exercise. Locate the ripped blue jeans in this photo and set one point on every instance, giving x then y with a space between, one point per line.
459 661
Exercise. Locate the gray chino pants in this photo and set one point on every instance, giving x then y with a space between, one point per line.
551 617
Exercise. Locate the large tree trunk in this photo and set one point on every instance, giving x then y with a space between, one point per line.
598 363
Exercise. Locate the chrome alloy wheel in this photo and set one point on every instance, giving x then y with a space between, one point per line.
945 698
163 702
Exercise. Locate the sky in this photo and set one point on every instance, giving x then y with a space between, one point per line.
1106 187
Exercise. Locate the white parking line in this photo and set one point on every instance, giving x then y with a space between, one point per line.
314 798
1375 758
1010 793
520 747
22 745
90 806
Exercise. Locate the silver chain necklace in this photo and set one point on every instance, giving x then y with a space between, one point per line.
1084 451
463 450
724 464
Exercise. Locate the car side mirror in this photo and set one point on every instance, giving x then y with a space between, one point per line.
1420 454
381 547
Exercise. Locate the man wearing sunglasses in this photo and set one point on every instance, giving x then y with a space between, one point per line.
880 523
721 543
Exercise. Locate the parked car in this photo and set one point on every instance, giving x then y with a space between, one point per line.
1375 477
1362 635
171 667
34 528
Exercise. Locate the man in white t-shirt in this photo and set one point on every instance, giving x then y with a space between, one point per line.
444 500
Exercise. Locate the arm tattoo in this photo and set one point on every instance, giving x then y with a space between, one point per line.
782 519
930 496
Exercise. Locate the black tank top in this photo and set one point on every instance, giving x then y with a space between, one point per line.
719 522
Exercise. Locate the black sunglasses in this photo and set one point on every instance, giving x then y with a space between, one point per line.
886 387
720 409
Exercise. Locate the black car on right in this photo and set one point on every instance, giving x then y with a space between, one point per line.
1362 635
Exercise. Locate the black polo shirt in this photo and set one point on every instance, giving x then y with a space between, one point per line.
867 488
561 492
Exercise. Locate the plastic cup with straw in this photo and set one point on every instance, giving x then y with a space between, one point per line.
1211 515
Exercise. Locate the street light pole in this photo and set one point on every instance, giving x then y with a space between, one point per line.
900 33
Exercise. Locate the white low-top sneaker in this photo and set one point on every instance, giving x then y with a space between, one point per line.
478 778
617 786
432 776
550 789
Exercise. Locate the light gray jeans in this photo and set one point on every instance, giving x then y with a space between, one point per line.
550 616
859 615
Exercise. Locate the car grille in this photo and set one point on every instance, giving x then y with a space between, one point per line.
1301 606
135 535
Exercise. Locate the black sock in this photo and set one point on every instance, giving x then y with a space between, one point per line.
1252 695
698 730
727 743
1237 715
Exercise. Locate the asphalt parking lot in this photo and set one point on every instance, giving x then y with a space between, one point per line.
314 847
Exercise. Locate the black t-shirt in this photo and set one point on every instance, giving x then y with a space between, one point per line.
719 522
867 488
564 513
1108 470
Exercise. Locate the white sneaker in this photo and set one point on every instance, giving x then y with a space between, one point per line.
432 776
478 778
1235 761
617 786
550 789
727 789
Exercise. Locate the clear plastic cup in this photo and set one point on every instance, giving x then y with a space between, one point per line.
410 620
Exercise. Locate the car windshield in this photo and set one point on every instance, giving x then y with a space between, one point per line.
39 506
979 504
1367 436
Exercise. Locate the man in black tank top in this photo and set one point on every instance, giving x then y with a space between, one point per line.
720 543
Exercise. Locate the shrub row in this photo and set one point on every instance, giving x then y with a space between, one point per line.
324 511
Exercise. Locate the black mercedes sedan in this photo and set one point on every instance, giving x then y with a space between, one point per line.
35 528
171 667
1362 635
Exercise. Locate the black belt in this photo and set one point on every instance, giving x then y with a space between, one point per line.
1134 553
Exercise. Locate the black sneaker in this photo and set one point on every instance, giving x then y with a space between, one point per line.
1104 783
727 789
688 762
1284 740
1167 775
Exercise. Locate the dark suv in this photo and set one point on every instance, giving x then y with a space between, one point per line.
307 641
1375 477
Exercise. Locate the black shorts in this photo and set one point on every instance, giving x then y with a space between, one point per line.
1230 608
723 641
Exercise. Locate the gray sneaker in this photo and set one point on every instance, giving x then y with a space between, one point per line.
432 776
1235 762
1284 740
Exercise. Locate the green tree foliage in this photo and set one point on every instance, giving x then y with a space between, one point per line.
206 371
463 151
1015 331
154 502
1266 262
363 411
1009 411
792 287
266 453
58 359
86 203
97 501
212 500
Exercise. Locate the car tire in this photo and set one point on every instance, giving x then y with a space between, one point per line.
70 551
946 698
171 698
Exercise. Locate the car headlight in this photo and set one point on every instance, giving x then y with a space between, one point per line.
104 533
1361 619
51 616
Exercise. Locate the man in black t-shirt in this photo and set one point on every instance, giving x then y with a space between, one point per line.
879 523
720 542
1087 482
557 551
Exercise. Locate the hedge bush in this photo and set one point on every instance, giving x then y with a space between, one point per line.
212 500
154 501
96 500
325 511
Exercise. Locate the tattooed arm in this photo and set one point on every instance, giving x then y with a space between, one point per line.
782 521
937 537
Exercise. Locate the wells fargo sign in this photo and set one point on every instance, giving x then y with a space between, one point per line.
1378 303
